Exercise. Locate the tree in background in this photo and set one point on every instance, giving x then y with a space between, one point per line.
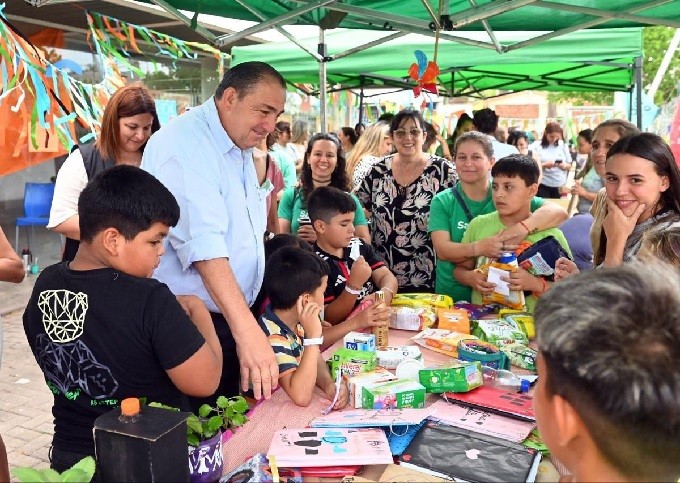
655 42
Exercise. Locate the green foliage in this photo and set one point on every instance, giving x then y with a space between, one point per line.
82 471
228 413
655 42
582 98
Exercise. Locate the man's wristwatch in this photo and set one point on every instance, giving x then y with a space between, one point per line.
312 341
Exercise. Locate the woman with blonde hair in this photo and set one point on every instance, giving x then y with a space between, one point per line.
373 144
298 141
129 120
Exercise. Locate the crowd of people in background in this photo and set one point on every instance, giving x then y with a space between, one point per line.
252 227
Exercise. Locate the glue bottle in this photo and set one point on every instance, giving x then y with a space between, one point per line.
26 259
506 380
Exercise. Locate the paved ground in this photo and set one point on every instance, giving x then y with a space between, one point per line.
25 402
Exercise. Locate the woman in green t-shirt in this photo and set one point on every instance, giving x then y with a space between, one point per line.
451 211
323 165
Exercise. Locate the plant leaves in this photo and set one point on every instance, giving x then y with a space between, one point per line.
87 465
48 474
75 475
222 402
204 411
27 474
193 439
194 424
238 419
240 405
215 423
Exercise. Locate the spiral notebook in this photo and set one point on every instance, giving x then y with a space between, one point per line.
456 453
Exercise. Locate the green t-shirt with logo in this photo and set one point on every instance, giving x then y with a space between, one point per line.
488 225
447 214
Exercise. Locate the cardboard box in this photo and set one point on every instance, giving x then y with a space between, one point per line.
351 362
455 376
356 383
358 341
402 393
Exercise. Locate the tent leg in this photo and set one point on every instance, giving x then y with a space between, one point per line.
322 80
638 91
361 102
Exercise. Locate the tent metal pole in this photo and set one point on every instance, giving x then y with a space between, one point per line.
278 28
489 31
361 101
322 80
207 34
229 39
581 26
638 91
460 19
430 33
360 48
643 19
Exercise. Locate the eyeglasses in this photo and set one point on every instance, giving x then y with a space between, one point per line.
401 133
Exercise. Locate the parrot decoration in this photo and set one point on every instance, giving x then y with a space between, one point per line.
424 73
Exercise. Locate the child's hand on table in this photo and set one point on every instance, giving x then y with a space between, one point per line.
342 397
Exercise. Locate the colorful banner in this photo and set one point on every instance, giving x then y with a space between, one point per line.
45 111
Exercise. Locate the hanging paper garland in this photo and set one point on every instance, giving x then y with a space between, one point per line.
40 102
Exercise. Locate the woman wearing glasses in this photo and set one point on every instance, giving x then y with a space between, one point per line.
397 193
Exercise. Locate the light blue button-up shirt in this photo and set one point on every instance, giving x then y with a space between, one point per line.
222 208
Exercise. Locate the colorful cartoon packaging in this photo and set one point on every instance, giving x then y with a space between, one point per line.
402 393
351 362
356 383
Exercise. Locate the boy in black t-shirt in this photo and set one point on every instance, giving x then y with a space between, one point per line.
102 331
356 270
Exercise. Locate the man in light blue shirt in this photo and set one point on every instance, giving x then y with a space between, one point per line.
216 250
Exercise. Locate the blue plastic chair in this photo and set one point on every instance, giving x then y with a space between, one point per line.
37 204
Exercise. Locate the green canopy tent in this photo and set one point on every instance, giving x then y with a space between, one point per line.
587 60
556 17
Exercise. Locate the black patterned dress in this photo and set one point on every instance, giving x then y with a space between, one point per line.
400 215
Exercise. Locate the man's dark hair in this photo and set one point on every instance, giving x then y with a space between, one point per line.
244 77
291 272
325 202
517 165
485 120
386 117
614 356
125 198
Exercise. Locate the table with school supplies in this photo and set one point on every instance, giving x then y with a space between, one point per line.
280 412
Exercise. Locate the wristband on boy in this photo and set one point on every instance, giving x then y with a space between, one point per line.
351 290
544 287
